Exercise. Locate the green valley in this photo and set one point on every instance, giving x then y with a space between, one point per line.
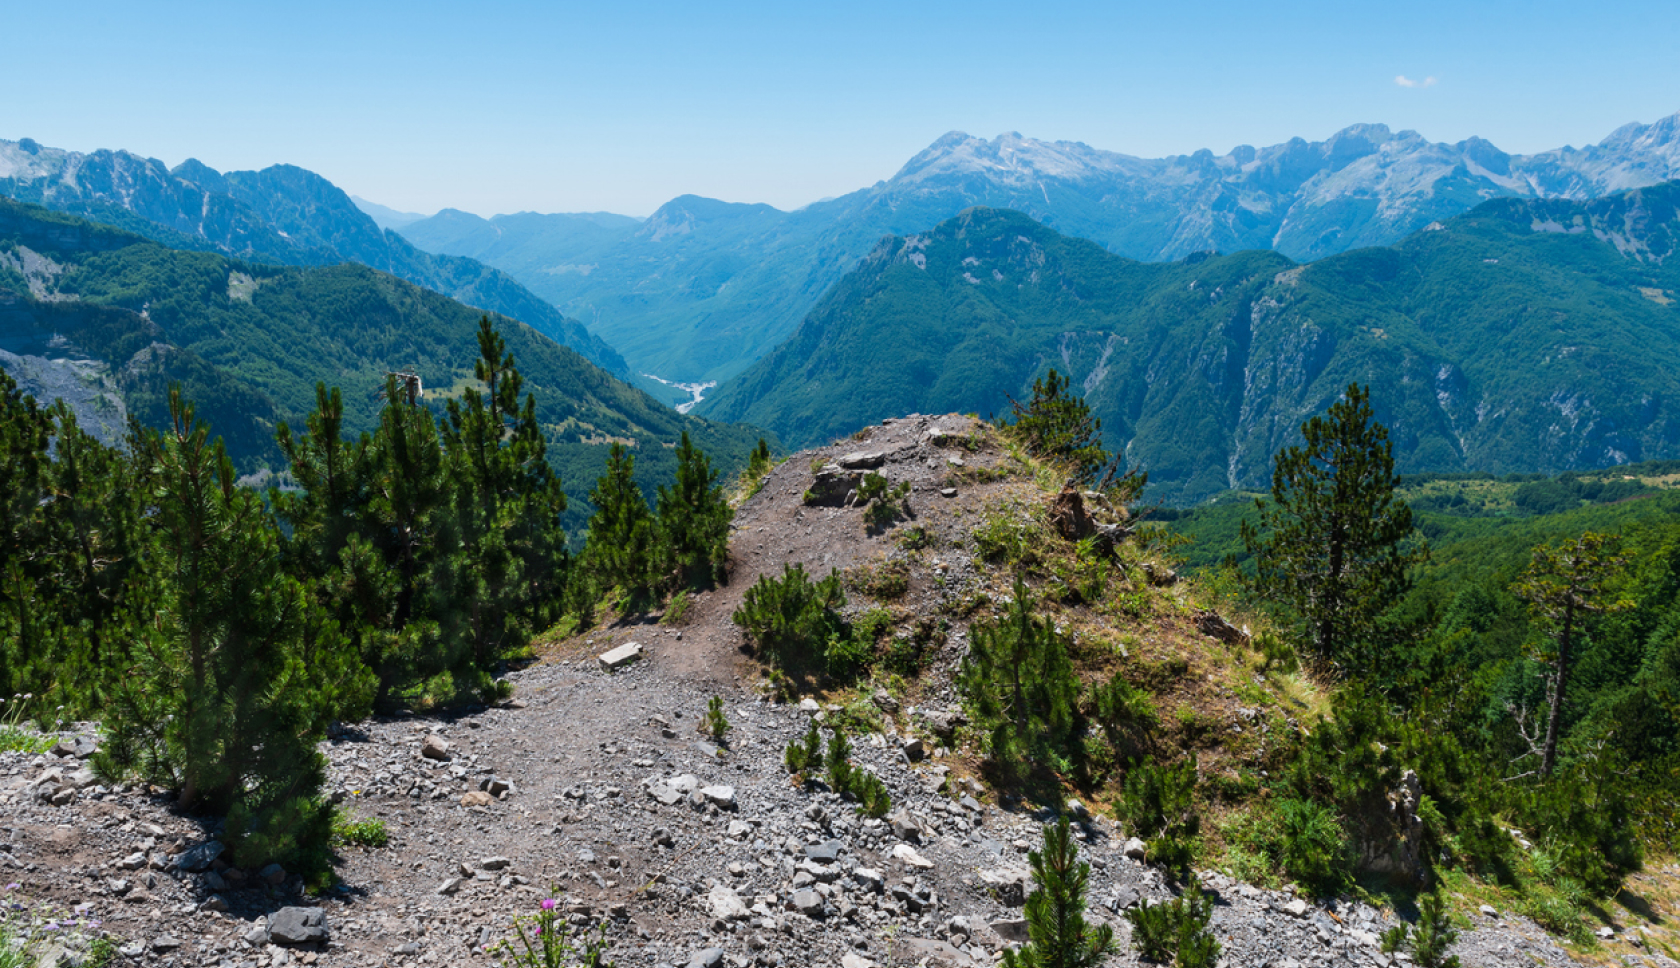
1523 336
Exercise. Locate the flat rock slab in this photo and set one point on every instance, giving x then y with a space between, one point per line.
862 460
907 855
934 954
298 926
621 656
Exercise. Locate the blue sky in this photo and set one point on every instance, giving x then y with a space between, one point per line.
500 107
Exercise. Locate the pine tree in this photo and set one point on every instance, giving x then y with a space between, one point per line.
1329 545
225 692
399 579
620 543
1056 909
1565 587
507 504
1059 426
694 520
1020 683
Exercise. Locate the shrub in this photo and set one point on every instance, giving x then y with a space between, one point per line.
1124 713
367 832
1158 806
714 724
1019 684
1176 931
1427 944
805 754
791 618
1058 426
838 763
871 793
1056 910
882 500
1310 846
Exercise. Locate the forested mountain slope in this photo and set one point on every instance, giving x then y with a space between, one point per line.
703 288
282 214
1527 335
85 305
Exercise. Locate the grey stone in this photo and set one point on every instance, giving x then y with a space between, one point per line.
435 748
808 903
298 926
826 852
1488 911
1135 849
905 826
495 863
272 874
195 859
914 750
709 958
449 886
933 954
664 794
862 460
1013 930
621 656
725 905
723 796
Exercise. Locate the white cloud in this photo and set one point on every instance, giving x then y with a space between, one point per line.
1405 81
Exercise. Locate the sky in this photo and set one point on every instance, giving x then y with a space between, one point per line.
567 107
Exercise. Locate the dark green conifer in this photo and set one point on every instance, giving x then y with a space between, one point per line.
1019 682
694 520
1056 909
226 689
1059 426
620 546
1330 545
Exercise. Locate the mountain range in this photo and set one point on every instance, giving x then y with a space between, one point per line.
1525 335
283 215
702 288
108 320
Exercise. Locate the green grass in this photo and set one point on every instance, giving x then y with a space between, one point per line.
365 832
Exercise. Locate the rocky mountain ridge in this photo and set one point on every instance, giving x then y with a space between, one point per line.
592 787
704 288
281 215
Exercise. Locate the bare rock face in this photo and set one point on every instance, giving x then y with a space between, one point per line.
1068 517
833 487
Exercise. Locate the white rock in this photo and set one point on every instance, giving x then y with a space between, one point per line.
1297 908
907 854
726 905
621 656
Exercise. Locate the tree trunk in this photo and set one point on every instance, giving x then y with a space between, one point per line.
1548 755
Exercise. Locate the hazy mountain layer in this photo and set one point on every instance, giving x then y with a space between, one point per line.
282 214
703 288
83 304
1525 335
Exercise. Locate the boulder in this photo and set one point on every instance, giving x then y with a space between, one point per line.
1007 884
298 926
1012 930
832 487
725 905
862 460
435 748
196 859
722 796
808 903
